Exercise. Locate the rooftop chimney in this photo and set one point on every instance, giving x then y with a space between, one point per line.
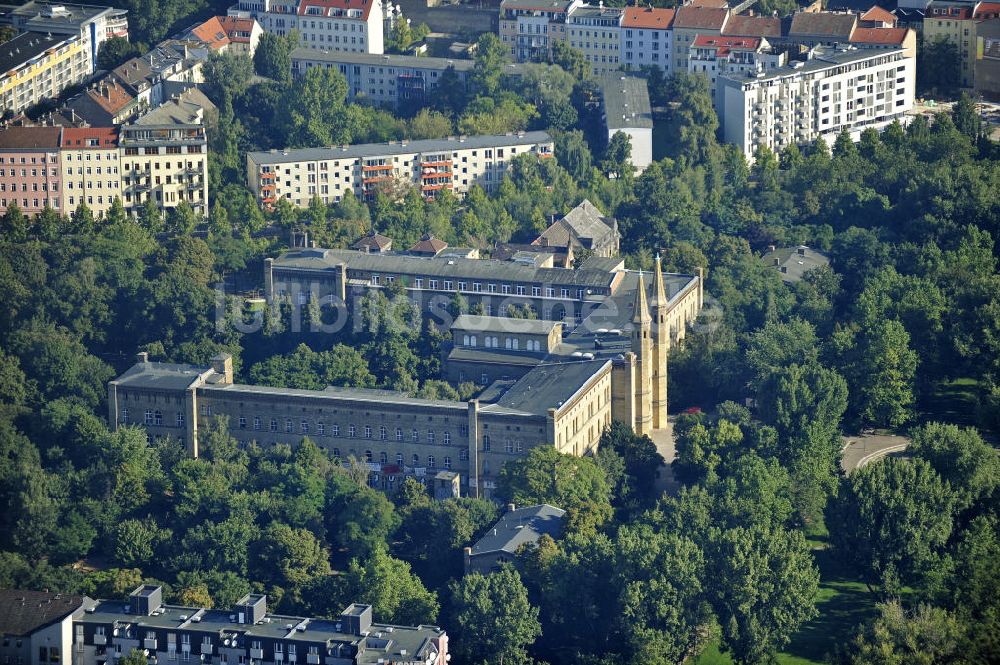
142 357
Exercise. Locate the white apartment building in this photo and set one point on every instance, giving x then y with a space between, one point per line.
432 165
596 31
713 57
530 27
356 26
834 90
647 38
91 168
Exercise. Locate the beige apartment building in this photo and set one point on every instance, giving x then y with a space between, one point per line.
38 66
956 23
91 168
529 28
690 21
164 158
456 163
595 31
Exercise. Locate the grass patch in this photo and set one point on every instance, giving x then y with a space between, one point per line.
843 603
953 401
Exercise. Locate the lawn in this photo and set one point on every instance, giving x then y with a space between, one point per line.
953 402
843 603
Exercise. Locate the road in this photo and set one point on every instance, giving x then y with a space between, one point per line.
866 448
858 451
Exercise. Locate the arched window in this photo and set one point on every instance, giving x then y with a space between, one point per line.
149 417
472 341
383 433
383 457
399 434
517 344
430 461
368 456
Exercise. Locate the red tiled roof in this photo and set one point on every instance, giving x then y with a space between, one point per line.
237 29
112 98
723 45
212 33
28 138
73 137
700 18
987 10
877 13
648 17
428 244
957 13
879 35
753 26
328 5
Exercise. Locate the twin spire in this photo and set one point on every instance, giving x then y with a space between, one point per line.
640 309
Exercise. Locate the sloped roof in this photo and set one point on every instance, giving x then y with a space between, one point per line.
24 612
584 224
824 24
879 35
704 18
753 26
429 245
29 138
723 45
328 6
877 13
987 10
212 33
517 527
648 17
373 239
83 137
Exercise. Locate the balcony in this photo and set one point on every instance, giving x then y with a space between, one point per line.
149 644
100 639
312 658
435 164
257 654
369 168
279 657
206 648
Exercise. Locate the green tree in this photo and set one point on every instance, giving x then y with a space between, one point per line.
134 657
890 520
273 55
940 63
575 484
396 595
570 59
494 621
763 586
961 457
491 56
114 51
617 156
150 216
290 557
924 636
136 541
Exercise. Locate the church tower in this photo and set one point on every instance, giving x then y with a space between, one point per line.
661 348
642 346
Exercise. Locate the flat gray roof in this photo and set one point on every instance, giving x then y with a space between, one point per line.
362 150
26 47
67 14
160 376
550 385
446 268
520 526
626 102
478 323
376 60
823 58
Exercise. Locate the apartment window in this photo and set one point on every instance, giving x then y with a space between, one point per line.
124 414
148 417
256 423
399 434
447 285
486 443
352 431
431 463
383 433
447 462
430 436
463 455
335 430
243 422
180 419
274 425
368 431
289 427
399 459
446 437
461 286
304 425
536 291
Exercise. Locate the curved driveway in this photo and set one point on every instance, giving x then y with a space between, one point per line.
865 448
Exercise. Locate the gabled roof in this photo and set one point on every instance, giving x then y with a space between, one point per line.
824 24
753 26
877 13
24 612
987 10
110 97
700 18
648 17
584 225
936 9
29 138
212 33
879 35
520 526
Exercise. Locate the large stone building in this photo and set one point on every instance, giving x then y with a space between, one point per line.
610 364
42 628
357 26
455 163
835 89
